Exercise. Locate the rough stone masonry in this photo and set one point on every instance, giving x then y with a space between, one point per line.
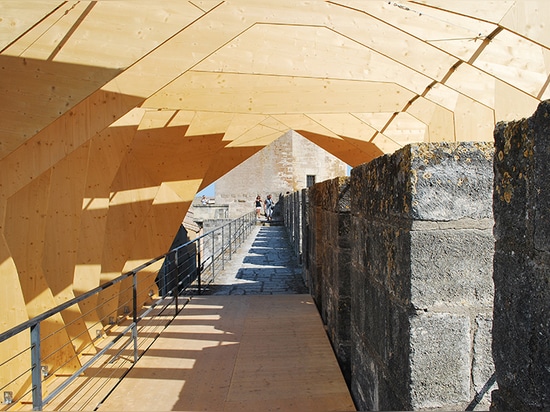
422 277
521 331
410 318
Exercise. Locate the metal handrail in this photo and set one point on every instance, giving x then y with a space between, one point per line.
195 262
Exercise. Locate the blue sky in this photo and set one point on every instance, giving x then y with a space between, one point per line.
208 191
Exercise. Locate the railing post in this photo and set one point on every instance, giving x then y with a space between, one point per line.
199 266
230 242
176 286
223 249
213 255
134 316
36 369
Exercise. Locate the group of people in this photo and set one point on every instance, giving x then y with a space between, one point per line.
267 204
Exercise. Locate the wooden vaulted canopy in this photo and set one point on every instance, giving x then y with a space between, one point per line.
113 114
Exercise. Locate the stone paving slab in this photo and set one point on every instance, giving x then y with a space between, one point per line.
263 265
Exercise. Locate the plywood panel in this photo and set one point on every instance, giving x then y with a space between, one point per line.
240 93
24 231
107 150
345 125
62 224
473 121
35 93
516 61
238 353
322 53
76 126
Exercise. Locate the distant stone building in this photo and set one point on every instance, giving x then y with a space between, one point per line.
288 164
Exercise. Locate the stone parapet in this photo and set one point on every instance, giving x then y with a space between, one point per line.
521 330
421 277
399 261
329 248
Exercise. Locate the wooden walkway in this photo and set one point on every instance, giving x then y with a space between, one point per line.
237 353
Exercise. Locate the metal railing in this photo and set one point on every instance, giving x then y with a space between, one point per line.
114 324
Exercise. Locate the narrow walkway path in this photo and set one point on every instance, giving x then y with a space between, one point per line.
256 343
265 265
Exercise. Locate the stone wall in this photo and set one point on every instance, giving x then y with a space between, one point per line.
329 219
420 281
521 331
422 277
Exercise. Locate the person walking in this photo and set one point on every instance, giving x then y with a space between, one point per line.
268 206
258 206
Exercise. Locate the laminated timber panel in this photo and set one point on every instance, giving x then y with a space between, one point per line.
26 223
104 30
225 160
242 123
132 195
262 134
473 121
12 313
324 53
19 16
156 233
140 224
242 93
49 74
345 124
527 18
35 93
454 34
30 161
107 150
60 241
205 123
76 127
343 149
405 129
511 103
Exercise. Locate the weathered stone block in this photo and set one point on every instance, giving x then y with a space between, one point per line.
452 267
439 182
451 181
440 360
483 370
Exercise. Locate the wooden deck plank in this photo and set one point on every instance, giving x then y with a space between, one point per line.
238 353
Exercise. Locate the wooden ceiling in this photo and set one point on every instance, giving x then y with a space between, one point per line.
383 72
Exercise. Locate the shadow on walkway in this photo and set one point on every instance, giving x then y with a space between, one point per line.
264 265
